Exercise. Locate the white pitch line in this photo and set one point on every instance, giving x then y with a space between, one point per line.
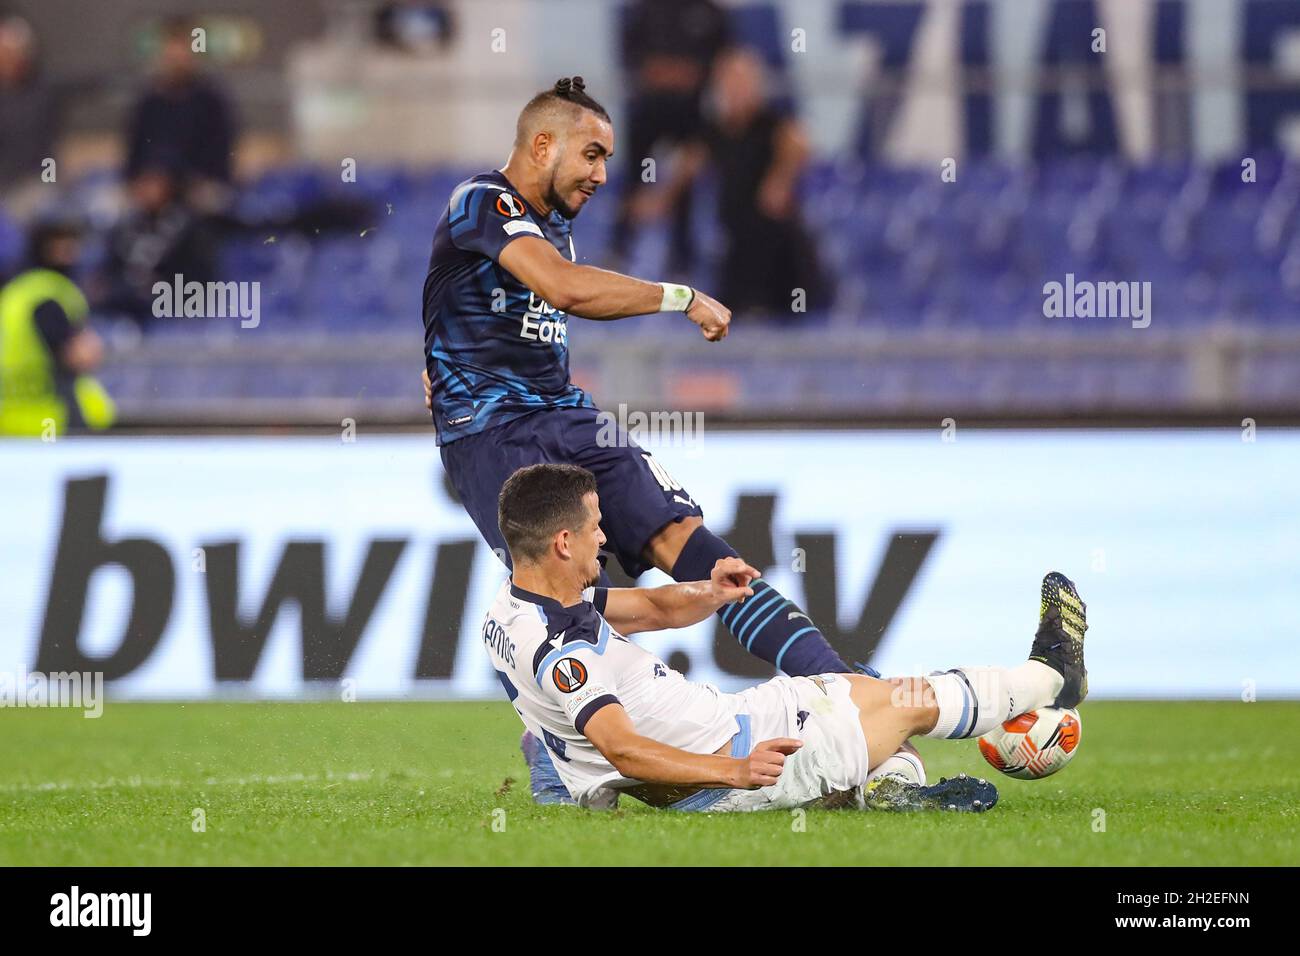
138 782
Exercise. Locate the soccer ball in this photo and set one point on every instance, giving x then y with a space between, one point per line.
1035 744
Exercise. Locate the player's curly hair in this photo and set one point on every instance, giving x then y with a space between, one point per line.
537 502
570 90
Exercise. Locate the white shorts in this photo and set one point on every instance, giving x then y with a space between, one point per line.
833 758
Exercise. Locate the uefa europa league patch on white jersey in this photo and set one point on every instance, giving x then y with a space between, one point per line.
569 674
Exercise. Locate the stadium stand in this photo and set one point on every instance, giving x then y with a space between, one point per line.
939 298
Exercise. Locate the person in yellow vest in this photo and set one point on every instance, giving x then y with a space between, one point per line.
47 349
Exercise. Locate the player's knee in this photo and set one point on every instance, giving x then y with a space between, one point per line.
913 697
686 550
676 533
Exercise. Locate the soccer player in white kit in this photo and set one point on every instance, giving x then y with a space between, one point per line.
617 719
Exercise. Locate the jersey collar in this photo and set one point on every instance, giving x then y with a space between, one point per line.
527 205
545 602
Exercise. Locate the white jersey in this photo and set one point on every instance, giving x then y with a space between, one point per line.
559 665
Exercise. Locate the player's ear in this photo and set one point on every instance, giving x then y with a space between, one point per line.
543 143
561 544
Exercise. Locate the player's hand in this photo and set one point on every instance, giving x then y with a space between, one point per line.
428 390
763 766
710 315
730 580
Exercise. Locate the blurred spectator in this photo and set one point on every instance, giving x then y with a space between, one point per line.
26 110
414 26
47 349
759 154
668 47
183 123
157 238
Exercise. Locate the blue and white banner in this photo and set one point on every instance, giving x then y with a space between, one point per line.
198 567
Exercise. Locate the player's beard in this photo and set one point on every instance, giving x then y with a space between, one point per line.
556 202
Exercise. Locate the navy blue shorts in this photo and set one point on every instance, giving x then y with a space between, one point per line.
637 497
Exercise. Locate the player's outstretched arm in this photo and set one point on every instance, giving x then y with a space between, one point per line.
641 758
632 610
592 293
584 291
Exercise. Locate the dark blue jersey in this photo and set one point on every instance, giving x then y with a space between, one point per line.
494 350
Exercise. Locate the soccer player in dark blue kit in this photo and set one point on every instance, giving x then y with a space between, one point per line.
503 281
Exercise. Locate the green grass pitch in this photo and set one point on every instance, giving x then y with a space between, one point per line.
424 783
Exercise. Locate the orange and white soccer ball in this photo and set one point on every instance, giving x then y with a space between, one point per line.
1035 744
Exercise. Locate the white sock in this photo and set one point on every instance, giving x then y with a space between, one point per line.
974 700
903 764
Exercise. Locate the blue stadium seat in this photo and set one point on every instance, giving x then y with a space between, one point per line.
912 256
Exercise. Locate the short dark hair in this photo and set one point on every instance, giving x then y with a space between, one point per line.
539 501
567 89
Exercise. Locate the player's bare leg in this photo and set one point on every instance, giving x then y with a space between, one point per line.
768 625
666 546
956 704
892 712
